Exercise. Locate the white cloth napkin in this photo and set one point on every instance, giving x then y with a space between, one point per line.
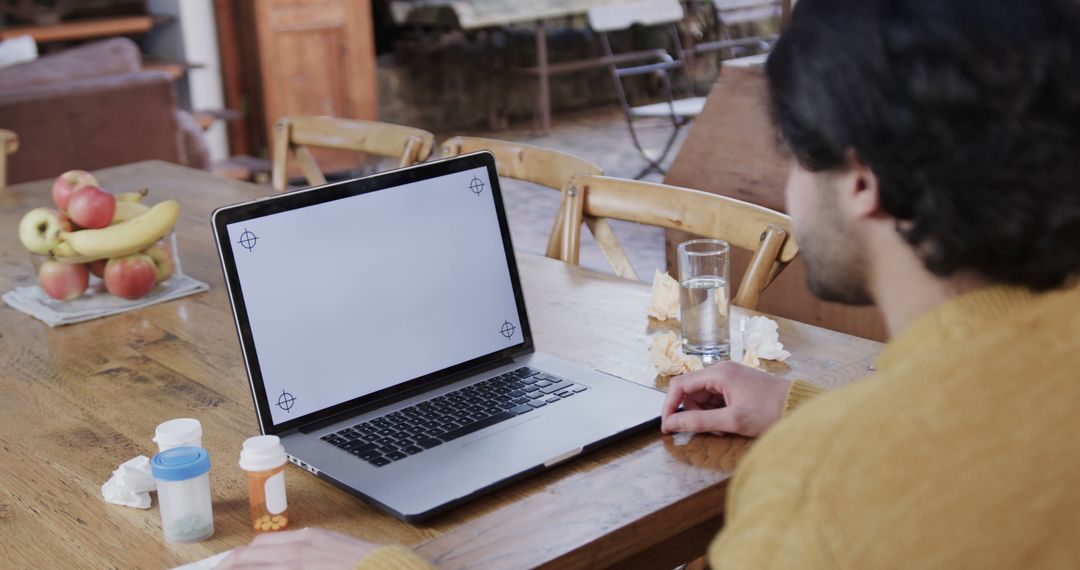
130 484
34 302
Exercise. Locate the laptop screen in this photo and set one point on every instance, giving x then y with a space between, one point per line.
353 296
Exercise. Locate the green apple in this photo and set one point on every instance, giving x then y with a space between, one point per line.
162 256
39 230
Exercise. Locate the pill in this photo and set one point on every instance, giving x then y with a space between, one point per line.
278 518
276 527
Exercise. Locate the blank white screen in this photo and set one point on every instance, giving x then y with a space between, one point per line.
355 295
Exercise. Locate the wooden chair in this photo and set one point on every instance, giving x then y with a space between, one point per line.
765 232
9 143
539 165
384 139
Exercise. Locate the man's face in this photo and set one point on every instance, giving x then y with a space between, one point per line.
828 243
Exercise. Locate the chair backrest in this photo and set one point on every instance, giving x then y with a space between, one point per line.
9 143
765 232
535 164
298 133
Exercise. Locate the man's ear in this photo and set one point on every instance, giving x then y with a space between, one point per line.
860 197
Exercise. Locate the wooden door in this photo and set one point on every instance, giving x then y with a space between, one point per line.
317 57
314 57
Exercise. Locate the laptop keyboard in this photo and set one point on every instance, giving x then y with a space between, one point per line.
406 432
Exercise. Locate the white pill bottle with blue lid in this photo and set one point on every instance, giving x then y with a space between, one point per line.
182 478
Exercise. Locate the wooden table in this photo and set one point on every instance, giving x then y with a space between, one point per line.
76 401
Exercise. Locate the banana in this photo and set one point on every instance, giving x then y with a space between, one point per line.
63 250
127 210
132 196
126 237
64 253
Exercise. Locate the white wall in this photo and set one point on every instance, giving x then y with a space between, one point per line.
193 38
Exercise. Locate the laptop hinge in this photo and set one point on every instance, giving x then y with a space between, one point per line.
383 402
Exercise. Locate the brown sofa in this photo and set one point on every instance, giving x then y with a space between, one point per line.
91 107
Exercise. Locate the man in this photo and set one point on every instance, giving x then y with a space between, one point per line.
936 174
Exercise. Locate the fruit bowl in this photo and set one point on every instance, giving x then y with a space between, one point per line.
164 262
99 253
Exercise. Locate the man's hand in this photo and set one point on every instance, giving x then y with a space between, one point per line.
307 548
724 398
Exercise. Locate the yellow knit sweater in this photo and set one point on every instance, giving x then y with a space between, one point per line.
962 451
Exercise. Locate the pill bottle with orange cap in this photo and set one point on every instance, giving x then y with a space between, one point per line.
263 458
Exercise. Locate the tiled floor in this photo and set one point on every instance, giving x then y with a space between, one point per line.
599 135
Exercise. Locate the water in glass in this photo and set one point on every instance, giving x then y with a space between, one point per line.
704 305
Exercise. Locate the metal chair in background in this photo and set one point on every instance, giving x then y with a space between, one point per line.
605 19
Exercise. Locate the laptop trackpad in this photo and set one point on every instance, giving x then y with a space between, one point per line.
539 440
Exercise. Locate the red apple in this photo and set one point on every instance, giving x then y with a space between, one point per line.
131 276
65 222
63 281
97 268
66 185
91 207
161 253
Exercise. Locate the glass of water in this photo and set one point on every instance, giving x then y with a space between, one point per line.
704 298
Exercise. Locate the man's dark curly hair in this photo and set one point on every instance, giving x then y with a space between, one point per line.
967 112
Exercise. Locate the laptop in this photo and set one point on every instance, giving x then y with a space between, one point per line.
386 340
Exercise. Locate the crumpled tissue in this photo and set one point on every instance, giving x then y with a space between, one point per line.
668 358
130 484
761 341
664 300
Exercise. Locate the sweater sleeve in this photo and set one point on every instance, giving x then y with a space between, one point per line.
393 557
774 516
799 393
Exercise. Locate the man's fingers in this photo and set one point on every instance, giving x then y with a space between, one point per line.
702 421
673 399
681 386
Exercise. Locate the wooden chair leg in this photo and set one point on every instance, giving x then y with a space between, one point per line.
408 156
611 248
574 202
555 238
308 166
279 179
760 269
9 143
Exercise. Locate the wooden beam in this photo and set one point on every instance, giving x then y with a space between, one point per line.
80 30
